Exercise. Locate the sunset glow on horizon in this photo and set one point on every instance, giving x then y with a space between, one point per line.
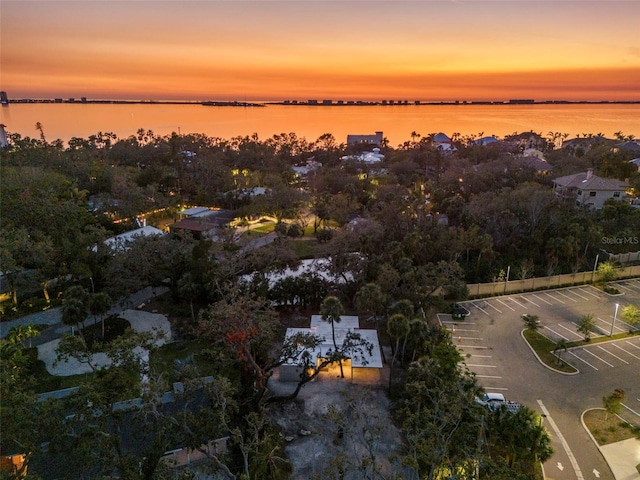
355 50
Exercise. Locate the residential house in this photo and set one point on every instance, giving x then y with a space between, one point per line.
636 162
588 189
484 141
367 157
361 367
120 243
202 222
375 139
444 143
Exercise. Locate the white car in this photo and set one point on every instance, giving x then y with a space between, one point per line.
495 400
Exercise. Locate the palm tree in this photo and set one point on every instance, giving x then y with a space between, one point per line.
586 326
398 327
330 310
20 333
531 321
75 307
39 128
560 346
99 305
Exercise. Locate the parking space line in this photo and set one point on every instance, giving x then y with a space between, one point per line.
594 355
632 344
558 334
573 290
481 366
582 360
540 298
566 296
526 299
631 286
573 332
556 299
487 376
480 308
625 286
515 301
495 308
630 409
589 293
482 356
497 299
615 327
628 353
613 354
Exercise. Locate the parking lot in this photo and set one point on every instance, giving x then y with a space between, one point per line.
559 312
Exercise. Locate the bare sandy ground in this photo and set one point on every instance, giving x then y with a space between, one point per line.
140 321
333 426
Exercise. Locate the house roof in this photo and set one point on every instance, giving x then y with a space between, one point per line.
119 242
535 162
631 145
347 323
584 181
193 225
441 138
194 211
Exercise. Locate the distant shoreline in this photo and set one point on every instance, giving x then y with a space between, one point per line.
322 103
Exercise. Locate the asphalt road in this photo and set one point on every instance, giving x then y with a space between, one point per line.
490 339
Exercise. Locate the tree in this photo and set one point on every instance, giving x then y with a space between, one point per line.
99 305
75 307
631 314
20 333
331 310
561 346
370 299
613 402
519 438
586 326
606 272
532 322
398 327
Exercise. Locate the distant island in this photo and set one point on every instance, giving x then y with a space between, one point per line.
316 103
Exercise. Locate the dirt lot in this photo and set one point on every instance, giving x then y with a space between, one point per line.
335 427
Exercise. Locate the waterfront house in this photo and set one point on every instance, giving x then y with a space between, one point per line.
588 189
375 139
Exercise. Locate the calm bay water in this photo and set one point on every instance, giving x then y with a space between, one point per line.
64 121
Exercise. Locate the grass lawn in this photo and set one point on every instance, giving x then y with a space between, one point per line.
608 428
544 348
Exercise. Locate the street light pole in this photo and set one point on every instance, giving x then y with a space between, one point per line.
615 314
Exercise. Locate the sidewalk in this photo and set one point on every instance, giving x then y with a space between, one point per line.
53 316
622 457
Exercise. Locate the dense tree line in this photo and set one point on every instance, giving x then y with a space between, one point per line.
393 258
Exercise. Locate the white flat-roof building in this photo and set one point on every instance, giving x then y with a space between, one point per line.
121 242
360 365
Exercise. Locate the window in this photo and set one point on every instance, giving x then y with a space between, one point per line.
616 194
579 192
592 194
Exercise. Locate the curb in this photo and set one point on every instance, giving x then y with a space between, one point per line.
541 362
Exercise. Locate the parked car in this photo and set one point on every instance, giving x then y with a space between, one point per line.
459 312
494 401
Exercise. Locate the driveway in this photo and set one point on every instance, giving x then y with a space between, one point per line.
140 321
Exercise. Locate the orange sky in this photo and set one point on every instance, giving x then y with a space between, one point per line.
276 50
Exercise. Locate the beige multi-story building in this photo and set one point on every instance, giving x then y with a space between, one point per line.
585 188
